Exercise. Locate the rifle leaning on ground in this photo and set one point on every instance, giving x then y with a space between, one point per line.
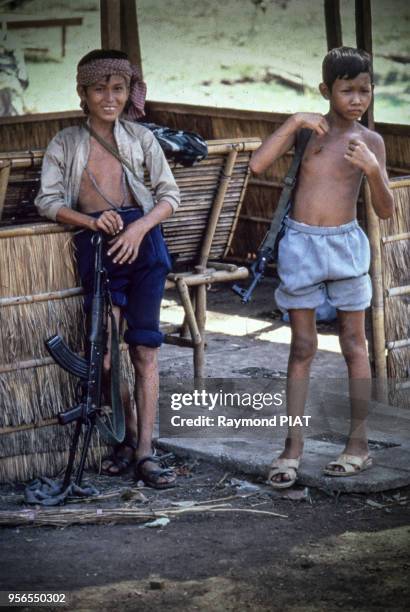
269 246
88 410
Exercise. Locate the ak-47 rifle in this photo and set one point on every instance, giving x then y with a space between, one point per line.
88 411
265 255
268 249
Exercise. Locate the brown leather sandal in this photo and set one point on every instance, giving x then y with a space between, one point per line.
118 460
151 477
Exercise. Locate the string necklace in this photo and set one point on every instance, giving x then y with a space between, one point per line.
103 195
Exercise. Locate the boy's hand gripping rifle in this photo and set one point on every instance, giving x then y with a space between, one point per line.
268 249
88 411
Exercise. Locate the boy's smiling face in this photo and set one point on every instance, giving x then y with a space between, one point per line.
106 98
349 98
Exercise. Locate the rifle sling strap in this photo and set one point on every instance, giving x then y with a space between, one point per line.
289 185
111 150
113 431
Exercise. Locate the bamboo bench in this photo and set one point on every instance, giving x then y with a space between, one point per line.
40 295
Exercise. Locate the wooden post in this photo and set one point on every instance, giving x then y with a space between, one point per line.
110 16
63 40
333 24
130 41
217 207
377 310
184 333
363 15
119 28
200 312
189 311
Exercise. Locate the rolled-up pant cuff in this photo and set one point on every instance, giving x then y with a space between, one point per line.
144 337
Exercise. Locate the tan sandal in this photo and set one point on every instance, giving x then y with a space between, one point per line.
351 465
284 466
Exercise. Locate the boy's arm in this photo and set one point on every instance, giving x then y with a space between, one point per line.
284 138
373 163
125 248
52 194
51 198
162 179
109 221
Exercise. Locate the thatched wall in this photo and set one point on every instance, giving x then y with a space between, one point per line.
395 259
34 390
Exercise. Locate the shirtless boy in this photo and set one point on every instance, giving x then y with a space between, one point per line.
324 253
84 185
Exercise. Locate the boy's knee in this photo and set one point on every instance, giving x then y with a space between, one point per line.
143 358
353 346
303 348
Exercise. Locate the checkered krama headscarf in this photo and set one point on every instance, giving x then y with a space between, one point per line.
97 69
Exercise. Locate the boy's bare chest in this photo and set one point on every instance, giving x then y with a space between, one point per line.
325 157
102 181
103 165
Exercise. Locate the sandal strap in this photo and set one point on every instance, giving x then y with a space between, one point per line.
121 461
161 472
351 459
152 458
285 464
349 463
152 475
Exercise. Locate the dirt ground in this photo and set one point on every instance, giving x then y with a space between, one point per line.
349 552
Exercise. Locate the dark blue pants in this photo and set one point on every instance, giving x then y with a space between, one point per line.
136 288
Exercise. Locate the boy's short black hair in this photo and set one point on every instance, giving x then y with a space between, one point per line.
102 54
345 63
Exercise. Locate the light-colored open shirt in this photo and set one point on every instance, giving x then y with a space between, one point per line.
67 155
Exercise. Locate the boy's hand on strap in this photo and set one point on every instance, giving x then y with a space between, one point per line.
125 248
313 121
359 154
109 222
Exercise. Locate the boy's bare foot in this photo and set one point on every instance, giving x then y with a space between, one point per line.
293 450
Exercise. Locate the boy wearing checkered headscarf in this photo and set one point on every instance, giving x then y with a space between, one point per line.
83 184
